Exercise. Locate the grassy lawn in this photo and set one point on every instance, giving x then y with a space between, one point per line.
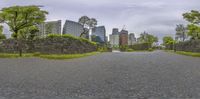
67 56
186 53
47 56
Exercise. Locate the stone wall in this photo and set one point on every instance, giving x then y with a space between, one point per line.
50 45
190 46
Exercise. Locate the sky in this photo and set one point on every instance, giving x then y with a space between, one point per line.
157 17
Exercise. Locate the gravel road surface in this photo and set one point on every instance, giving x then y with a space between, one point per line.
137 75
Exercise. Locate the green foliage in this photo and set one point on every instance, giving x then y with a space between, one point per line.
130 50
2 36
14 55
147 38
141 46
192 17
194 31
150 49
22 17
28 33
88 23
124 48
71 37
167 40
186 53
47 56
67 56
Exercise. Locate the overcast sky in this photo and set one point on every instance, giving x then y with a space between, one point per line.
158 17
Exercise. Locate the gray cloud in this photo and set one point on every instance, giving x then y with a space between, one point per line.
159 17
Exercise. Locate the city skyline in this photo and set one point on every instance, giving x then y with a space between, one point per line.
156 17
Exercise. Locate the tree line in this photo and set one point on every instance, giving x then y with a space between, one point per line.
189 32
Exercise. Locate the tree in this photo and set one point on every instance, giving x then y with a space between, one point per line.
167 40
194 27
194 31
88 24
92 23
192 17
181 32
22 17
28 33
2 36
147 38
84 21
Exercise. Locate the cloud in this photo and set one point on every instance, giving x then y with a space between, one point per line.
159 17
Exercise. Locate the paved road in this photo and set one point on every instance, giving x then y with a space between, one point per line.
140 75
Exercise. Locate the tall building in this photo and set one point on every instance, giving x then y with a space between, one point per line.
100 31
73 28
115 31
131 39
114 40
50 27
123 38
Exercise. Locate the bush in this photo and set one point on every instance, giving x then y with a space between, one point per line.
124 48
150 49
141 46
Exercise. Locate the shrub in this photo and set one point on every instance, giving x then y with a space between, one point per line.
150 49
124 48
141 46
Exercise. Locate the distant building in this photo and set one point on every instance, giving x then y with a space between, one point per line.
115 31
114 40
73 28
100 31
123 38
131 39
51 27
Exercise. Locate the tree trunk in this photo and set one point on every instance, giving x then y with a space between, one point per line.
19 47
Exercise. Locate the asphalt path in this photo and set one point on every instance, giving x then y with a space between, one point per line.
137 75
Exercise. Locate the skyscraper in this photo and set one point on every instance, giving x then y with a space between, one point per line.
115 31
100 31
123 38
50 27
73 28
114 40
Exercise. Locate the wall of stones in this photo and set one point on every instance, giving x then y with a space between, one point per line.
55 45
190 46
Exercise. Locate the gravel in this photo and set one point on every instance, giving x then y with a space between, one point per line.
137 75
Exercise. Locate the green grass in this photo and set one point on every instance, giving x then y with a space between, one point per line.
188 53
9 55
185 53
66 56
47 56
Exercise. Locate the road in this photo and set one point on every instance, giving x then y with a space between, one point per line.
137 75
